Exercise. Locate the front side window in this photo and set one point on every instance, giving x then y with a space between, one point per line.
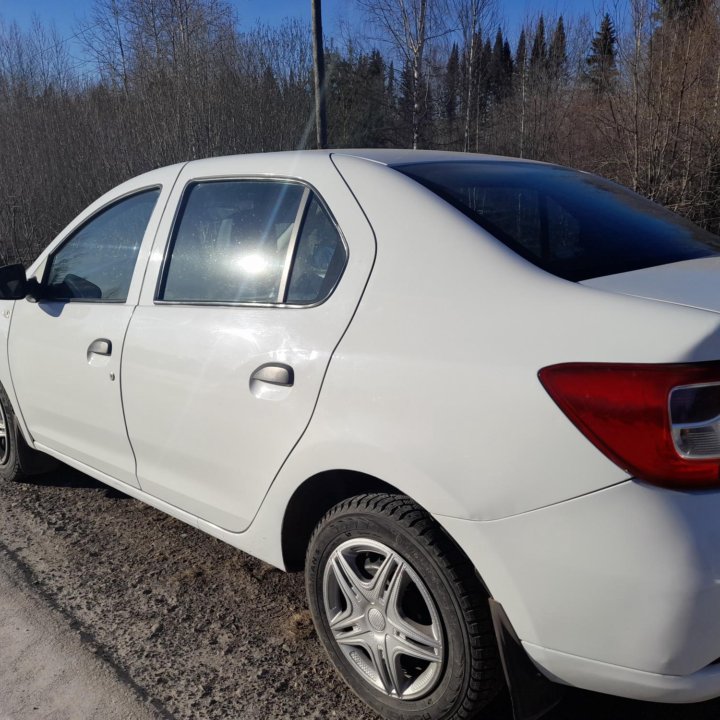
97 262
252 241
573 224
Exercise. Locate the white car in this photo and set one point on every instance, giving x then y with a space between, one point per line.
474 398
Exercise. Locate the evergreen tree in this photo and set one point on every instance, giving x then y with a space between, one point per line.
507 60
377 103
557 58
538 55
484 77
453 85
358 104
405 105
521 52
499 72
391 84
601 66
684 10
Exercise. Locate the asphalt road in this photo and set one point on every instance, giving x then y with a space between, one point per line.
175 623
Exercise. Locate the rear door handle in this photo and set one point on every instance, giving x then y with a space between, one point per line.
275 374
101 346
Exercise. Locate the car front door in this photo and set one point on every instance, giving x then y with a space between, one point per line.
227 350
64 350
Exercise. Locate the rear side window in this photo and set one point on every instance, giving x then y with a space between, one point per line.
231 240
575 225
252 241
97 262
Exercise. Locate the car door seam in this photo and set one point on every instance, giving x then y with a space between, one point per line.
132 315
332 353
18 410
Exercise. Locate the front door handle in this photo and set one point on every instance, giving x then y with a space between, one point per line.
101 346
275 374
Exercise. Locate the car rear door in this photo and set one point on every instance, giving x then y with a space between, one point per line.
242 308
64 351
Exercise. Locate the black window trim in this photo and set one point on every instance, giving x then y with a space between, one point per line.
292 246
84 223
310 191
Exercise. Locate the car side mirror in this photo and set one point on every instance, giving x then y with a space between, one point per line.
13 282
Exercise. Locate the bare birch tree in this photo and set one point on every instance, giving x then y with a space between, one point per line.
409 26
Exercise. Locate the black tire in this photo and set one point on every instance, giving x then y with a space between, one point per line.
10 467
425 577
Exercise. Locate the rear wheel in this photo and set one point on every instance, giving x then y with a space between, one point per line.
401 611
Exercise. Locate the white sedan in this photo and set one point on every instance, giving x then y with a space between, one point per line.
476 399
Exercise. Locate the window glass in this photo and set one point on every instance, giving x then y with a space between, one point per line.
98 260
572 224
515 210
319 258
230 242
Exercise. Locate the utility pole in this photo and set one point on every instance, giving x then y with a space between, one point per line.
319 66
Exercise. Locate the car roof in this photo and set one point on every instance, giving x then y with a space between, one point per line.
407 157
389 157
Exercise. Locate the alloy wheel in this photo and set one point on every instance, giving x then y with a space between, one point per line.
384 619
4 439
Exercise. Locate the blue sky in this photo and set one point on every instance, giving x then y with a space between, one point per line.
66 14
338 15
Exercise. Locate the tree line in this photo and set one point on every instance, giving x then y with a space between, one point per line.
634 97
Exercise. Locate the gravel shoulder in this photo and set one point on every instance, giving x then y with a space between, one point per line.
200 630
47 670
180 625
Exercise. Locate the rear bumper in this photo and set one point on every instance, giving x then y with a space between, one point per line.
625 682
617 591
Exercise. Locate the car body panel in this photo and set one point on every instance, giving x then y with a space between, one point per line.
691 282
73 403
628 576
71 400
206 440
6 311
451 345
626 682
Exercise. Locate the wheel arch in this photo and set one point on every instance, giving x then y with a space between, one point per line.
31 461
312 499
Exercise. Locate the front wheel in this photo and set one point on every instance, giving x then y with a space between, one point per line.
401 611
17 458
10 468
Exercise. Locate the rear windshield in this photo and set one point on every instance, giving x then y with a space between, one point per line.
572 224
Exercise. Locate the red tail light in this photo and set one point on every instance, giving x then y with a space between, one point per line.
660 423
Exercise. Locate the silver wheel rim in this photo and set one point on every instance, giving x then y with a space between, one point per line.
383 619
4 444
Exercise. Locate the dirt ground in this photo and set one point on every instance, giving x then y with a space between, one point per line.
46 671
195 629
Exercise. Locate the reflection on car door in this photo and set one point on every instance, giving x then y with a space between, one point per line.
225 355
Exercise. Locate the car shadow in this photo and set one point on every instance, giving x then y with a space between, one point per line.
594 706
584 705
67 477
